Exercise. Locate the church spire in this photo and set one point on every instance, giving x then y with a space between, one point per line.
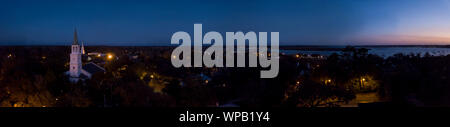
75 37
82 48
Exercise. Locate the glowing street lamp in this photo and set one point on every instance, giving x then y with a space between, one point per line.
327 81
362 82
110 56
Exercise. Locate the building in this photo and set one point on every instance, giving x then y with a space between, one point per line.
77 70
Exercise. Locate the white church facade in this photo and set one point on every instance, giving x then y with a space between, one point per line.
78 71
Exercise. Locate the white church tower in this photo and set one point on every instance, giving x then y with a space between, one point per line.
75 59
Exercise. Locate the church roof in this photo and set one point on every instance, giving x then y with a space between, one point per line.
82 76
93 68
75 37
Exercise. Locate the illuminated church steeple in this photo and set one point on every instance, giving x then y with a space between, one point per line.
77 70
82 48
75 59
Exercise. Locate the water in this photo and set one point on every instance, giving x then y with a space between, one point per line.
390 51
382 51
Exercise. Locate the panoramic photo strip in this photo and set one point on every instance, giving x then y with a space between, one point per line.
224 62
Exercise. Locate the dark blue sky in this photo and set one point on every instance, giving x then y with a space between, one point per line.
307 22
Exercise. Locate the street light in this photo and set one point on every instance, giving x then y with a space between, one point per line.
362 83
327 81
110 56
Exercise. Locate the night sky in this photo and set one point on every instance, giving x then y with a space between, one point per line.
307 22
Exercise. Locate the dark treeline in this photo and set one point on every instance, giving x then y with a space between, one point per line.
144 77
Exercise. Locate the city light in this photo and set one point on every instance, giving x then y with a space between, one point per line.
110 56
363 80
327 81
